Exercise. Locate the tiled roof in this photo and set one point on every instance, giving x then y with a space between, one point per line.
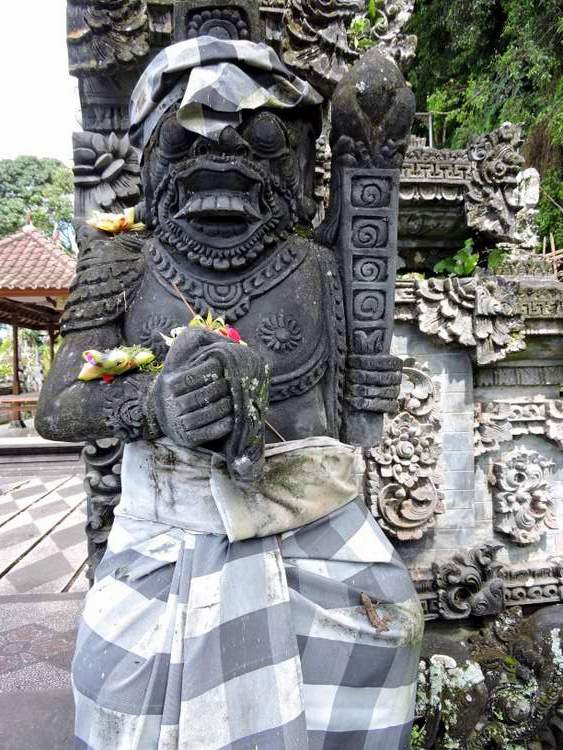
28 260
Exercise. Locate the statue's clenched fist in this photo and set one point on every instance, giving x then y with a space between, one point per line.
192 401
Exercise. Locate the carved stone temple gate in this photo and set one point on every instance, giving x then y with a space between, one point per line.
468 478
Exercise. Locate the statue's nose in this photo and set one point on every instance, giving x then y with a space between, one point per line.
232 143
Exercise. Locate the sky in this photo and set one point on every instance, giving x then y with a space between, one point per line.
40 108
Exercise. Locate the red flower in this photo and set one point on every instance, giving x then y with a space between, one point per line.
107 378
233 334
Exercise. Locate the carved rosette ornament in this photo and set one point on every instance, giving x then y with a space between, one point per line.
104 35
477 312
470 583
106 173
523 506
402 483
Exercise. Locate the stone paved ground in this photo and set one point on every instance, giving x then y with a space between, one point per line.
42 586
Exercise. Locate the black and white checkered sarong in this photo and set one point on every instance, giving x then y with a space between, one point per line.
196 640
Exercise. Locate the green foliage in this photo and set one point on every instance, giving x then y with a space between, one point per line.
362 30
42 186
486 61
359 33
5 360
495 258
463 263
418 737
550 217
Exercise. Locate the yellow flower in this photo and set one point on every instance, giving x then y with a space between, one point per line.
116 223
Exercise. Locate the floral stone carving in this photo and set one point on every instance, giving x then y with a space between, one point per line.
104 35
402 482
392 17
522 502
498 422
477 312
314 41
470 583
492 198
106 173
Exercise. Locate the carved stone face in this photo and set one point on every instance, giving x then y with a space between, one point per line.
221 203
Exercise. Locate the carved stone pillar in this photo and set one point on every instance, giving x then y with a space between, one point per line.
367 252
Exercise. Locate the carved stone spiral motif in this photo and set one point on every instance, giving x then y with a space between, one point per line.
369 232
370 269
280 332
470 583
369 192
369 304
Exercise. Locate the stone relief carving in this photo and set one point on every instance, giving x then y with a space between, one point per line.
539 583
522 503
104 36
388 30
470 583
541 301
106 173
102 459
485 182
523 584
501 688
523 264
313 35
476 312
498 422
491 199
402 476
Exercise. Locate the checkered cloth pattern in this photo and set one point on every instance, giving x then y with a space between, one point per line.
219 79
189 640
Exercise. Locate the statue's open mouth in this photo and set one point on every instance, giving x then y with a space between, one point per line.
221 212
221 200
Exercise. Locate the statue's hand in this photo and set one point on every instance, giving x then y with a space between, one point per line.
193 405
374 382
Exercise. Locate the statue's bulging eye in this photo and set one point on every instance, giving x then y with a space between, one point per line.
267 137
174 140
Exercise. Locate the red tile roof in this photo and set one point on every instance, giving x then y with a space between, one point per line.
28 260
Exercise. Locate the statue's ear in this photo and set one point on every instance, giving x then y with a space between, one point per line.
304 144
153 169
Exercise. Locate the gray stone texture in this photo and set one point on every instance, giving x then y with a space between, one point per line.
463 478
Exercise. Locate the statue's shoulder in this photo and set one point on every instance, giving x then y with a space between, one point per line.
108 274
325 259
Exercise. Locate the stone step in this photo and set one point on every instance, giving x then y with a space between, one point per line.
37 636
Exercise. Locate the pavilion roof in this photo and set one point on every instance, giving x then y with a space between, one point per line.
30 262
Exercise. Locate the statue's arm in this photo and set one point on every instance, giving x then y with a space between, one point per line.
109 272
72 410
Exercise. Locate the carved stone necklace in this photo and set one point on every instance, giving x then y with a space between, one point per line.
229 298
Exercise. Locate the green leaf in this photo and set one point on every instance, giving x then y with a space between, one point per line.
496 258
463 263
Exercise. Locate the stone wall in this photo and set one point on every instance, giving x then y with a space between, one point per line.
469 479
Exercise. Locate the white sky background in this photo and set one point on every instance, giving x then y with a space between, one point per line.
40 107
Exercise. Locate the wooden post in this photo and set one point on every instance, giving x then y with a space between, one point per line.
16 420
16 387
